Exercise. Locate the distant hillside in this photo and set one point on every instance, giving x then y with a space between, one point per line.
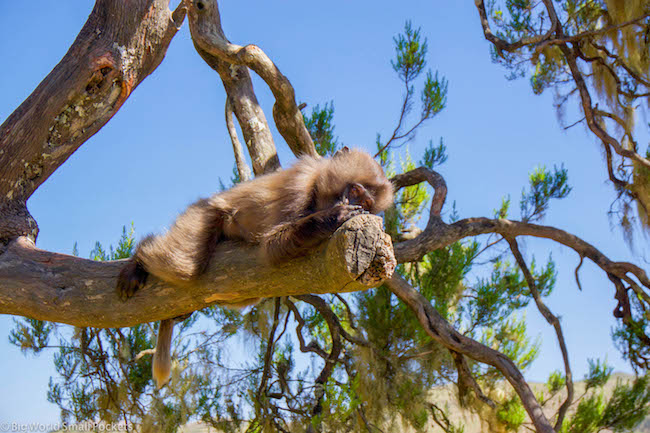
472 422
444 396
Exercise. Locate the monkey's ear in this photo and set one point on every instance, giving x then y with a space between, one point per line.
342 151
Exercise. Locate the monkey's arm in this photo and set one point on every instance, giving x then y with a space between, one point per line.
180 255
296 238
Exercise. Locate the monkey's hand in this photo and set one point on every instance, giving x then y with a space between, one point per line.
296 238
339 214
132 277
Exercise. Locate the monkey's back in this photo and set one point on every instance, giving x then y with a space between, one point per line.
269 200
308 186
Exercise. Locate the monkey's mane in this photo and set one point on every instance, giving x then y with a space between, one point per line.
354 166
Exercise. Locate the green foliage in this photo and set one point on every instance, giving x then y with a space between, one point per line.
511 413
321 128
410 61
434 95
510 338
546 71
30 335
376 371
587 416
503 210
410 53
544 185
631 339
235 178
497 297
434 155
606 62
382 153
440 274
556 381
598 374
411 199
628 405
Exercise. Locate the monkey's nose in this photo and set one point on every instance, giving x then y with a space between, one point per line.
367 204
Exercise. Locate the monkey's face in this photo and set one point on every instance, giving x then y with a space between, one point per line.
355 178
358 195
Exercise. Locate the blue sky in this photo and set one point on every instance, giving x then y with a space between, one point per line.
168 145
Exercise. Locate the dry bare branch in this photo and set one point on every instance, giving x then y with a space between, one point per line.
240 159
442 332
553 320
209 38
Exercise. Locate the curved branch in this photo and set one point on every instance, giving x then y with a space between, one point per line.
554 322
502 44
590 111
434 179
208 36
80 292
446 234
442 332
243 101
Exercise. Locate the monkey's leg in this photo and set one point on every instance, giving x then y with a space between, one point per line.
181 255
296 238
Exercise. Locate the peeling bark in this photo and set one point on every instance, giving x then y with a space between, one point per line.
117 48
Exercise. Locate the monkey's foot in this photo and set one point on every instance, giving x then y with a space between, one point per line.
132 277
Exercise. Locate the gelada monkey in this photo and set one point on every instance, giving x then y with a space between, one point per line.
287 213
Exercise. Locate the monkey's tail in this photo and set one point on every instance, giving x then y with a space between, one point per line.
162 360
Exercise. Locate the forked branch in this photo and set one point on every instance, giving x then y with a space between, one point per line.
442 332
209 38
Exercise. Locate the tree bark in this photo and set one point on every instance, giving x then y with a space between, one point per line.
441 331
66 289
118 47
210 41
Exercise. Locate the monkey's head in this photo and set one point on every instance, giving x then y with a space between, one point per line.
354 177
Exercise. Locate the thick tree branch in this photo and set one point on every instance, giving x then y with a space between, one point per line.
243 101
80 292
624 275
117 48
209 38
442 332
466 380
442 235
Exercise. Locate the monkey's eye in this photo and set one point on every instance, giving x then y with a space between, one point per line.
356 190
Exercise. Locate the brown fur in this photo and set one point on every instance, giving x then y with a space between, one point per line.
287 213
